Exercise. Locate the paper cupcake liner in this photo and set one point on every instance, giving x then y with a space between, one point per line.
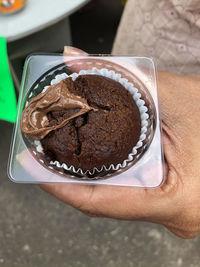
143 115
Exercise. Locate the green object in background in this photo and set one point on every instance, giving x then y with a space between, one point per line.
7 90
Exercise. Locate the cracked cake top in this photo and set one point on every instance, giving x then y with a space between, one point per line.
90 122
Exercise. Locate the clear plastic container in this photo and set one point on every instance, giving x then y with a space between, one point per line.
143 167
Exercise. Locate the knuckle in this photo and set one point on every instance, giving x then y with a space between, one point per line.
188 223
185 223
90 205
191 216
183 233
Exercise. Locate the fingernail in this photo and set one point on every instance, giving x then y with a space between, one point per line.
72 51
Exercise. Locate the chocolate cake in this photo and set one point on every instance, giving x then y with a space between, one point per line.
90 122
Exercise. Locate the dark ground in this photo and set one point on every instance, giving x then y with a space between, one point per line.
36 230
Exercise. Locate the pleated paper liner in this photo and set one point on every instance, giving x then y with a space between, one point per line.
143 101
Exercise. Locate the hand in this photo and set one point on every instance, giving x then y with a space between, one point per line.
176 203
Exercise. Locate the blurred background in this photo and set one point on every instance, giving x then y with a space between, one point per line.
37 230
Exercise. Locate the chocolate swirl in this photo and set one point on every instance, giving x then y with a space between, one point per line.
34 120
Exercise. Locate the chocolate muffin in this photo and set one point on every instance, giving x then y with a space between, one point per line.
99 126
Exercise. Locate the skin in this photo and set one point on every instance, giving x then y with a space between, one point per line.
176 203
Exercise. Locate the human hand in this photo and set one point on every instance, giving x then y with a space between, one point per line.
176 203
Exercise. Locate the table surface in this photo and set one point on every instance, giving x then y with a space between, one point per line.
36 16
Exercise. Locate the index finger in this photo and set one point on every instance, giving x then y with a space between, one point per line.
105 200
